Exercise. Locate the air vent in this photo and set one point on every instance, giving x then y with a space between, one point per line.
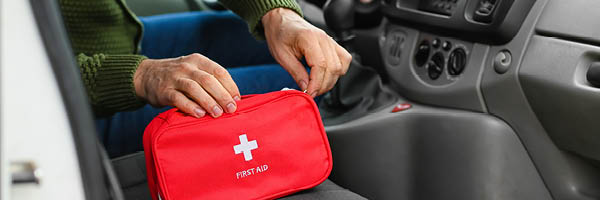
395 43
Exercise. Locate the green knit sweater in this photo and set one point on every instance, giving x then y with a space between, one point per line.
106 35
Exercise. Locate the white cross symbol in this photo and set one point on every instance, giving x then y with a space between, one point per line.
245 147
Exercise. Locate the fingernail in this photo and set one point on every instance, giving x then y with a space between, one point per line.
230 108
199 112
313 94
303 85
217 111
237 98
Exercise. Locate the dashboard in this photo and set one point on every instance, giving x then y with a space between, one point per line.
485 21
434 51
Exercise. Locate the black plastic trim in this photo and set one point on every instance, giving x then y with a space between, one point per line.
54 36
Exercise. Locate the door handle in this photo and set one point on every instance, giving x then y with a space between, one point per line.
24 173
593 74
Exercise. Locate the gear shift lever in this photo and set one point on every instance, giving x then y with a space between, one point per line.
339 17
361 90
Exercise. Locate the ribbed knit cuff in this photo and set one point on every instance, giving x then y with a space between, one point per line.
253 10
110 82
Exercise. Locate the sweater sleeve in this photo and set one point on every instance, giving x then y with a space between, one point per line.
253 10
109 82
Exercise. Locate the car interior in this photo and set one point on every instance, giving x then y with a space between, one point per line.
444 99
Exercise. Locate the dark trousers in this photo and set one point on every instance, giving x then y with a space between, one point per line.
221 36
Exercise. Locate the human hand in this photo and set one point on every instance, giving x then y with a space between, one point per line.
193 83
290 38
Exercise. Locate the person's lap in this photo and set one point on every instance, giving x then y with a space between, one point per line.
222 37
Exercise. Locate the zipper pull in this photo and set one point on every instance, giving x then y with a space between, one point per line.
286 89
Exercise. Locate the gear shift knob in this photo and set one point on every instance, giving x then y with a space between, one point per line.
339 17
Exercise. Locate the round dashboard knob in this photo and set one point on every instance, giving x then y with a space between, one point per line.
435 67
457 61
422 53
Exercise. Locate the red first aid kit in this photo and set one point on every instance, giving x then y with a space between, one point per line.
273 145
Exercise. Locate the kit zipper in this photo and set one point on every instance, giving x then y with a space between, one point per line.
249 109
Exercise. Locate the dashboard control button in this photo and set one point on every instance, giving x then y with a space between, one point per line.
443 7
423 52
502 61
436 43
485 11
457 61
401 107
447 45
435 67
